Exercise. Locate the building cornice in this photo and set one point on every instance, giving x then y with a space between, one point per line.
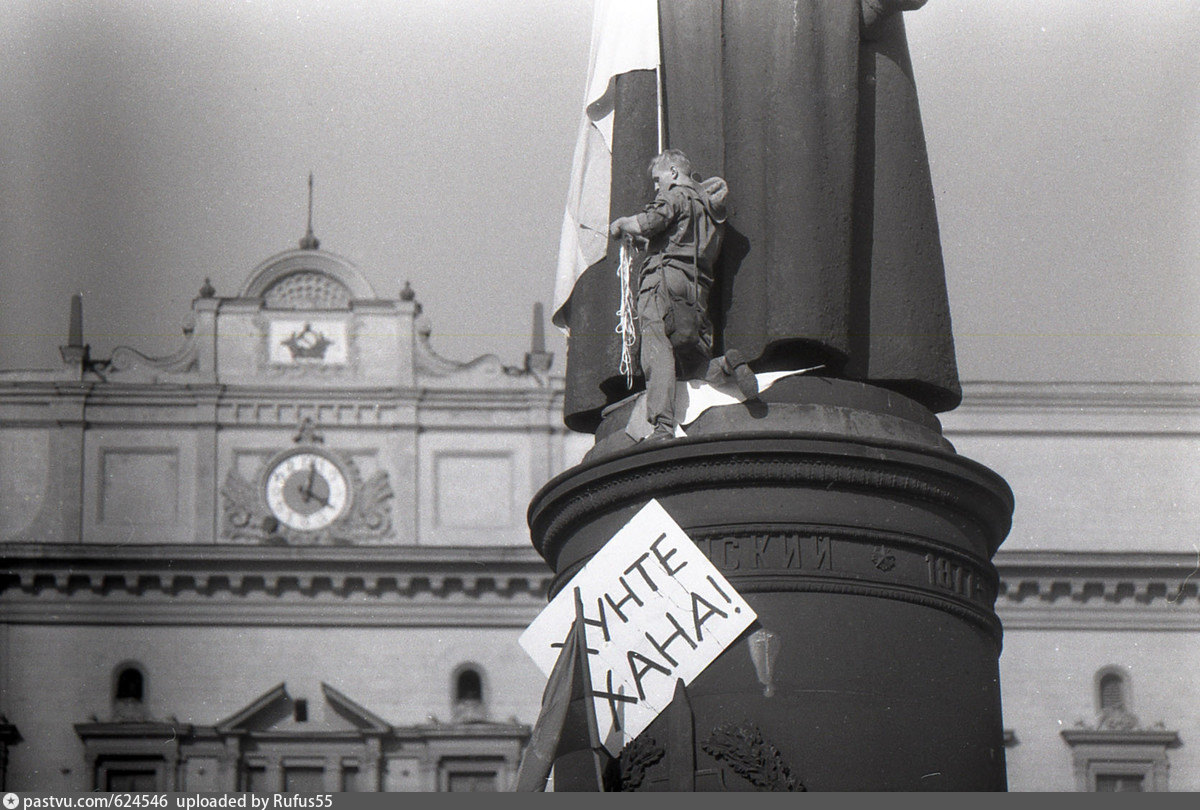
1150 737
414 586
989 407
1075 409
1076 395
173 405
1098 591
243 585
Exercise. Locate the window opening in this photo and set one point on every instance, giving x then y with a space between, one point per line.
1112 692
1119 782
303 779
470 686
130 685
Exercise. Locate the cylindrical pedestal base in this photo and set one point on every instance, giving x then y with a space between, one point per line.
874 661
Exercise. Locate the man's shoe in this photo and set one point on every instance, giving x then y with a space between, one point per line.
737 368
661 435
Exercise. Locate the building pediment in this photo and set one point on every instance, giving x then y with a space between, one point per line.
277 713
359 718
260 714
305 318
307 279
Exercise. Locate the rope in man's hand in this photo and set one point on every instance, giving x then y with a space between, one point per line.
626 313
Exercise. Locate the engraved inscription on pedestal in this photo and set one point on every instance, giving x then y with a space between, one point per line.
757 557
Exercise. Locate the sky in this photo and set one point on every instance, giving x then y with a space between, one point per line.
147 146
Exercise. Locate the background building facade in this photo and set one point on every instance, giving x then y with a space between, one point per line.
1098 591
292 555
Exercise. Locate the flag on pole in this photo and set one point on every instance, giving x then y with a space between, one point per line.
569 680
625 38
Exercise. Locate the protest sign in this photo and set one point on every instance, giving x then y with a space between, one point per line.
654 610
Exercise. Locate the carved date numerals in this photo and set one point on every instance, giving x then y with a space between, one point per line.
952 577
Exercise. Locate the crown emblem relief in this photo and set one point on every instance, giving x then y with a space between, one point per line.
308 343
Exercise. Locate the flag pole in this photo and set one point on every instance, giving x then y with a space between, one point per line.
599 755
571 669
662 85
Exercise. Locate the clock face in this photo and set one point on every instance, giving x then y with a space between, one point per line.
307 491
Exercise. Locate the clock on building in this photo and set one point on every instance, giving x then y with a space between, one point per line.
307 489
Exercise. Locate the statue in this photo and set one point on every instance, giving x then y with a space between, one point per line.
831 253
682 227
829 257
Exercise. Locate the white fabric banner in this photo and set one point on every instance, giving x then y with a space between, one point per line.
624 38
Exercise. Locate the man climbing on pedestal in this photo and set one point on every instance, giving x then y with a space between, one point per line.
683 227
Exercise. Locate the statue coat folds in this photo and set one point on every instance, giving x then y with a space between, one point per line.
809 111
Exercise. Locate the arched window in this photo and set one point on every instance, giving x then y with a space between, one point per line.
1113 705
1112 692
1118 753
468 695
129 685
129 692
469 686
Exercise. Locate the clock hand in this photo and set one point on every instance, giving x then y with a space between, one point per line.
306 491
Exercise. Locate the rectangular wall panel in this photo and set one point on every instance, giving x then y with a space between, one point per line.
139 487
474 490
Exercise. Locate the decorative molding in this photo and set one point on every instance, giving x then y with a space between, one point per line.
299 373
834 559
1075 410
246 516
1074 396
1156 736
431 586
261 734
353 410
290 262
485 371
1142 753
1177 403
1098 591
816 462
454 612
307 289
166 405
240 585
130 363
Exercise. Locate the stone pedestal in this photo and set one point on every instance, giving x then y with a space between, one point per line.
864 544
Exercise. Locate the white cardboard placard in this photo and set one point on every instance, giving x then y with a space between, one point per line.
655 610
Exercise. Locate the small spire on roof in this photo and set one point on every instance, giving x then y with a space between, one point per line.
76 353
537 359
310 241
75 324
538 343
